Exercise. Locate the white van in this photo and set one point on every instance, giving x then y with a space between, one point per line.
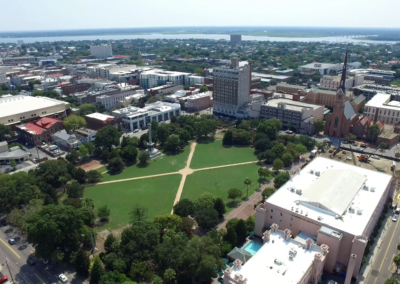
53 147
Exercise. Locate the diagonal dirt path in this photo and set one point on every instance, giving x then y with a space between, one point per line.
135 178
225 166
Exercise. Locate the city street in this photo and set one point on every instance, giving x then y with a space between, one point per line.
382 265
21 271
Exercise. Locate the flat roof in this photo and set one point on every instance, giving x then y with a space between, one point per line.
378 100
290 104
320 65
100 116
272 262
21 103
363 203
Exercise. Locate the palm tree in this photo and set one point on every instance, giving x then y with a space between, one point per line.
169 275
247 182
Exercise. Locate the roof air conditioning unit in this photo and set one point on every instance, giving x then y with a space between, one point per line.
359 211
306 213
299 191
312 172
366 187
373 189
297 210
319 218
292 208
351 210
297 202
336 217
318 173
292 189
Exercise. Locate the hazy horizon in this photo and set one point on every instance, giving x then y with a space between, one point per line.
46 15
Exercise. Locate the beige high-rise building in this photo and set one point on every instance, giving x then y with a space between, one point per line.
101 51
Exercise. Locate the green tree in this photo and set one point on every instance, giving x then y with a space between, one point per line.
267 192
185 136
55 230
277 165
173 144
281 179
231 236
144 157
83 152
93 176
198 71
129 153
351 137
184 208
374 132
163 133
107 137
103 212
157 280
319 126
13 164
129 141
287 159
269 156
397 155
75 190
220 207
85 109
247 182
72 156
138 213
115 165
204 201
97 271
169 275
5 130
81 262
396 260
228 138
278 149
234 194
73 122
203 89
168 222
391 280
110 240
79 175
115 276
207 218
241 231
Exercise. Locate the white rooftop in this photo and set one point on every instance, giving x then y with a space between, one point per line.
312 193
290 104
284 270
100 116
20 104
378 100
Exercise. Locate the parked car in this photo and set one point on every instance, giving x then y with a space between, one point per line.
397 211
63 278
375 157
363 146
3 279
345 142
355 144
12 241
289 132
348 158
136 130
45 261
31 261
395 217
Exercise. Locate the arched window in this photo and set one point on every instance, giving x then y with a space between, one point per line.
336 122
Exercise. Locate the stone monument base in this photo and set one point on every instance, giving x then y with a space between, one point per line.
154 153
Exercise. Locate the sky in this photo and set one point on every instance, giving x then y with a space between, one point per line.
25 15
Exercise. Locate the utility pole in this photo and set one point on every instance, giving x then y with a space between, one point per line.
9 271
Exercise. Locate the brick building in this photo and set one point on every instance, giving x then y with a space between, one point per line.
75 88
35 133
98 120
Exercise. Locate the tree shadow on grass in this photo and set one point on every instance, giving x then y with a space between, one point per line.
232 204
206 140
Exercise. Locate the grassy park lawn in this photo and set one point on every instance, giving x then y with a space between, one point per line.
156 194
219 181
214 154
164 164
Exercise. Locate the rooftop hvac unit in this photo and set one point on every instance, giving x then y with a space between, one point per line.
297 210
336 217
297 202
292 189
306 213
359 211
318 173
351 209
312 172
277 261
373 189
299 191
366 187
319 218
293 252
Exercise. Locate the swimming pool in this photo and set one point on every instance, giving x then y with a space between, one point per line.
253 248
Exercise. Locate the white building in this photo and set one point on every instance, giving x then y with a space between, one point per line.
23 108
112 101
158 77
135 118
332 203
232 87
381 108
280 260
332 82
195 79
101 51
109 71
321 68
14 153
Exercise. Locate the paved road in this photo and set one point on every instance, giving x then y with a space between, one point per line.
22 272
382 266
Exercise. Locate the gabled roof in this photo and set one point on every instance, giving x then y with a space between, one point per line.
349 111
359 99
33 127
47 122
365 121
381 125
240 254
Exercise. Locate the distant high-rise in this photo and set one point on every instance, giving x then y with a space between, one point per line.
236 38
101 51
231 87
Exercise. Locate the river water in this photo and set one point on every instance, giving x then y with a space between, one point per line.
341 39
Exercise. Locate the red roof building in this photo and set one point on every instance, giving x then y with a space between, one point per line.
40 131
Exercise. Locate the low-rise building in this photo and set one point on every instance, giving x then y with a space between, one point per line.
321 68
97 120
86 135
381 108
65 140
158 77
383 77
199 101
37 132
333 82
135 118
333 203
280 259
112 101
370 90
291 113
196 79
22 108
13 153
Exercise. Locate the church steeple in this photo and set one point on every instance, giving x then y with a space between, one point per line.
344 73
